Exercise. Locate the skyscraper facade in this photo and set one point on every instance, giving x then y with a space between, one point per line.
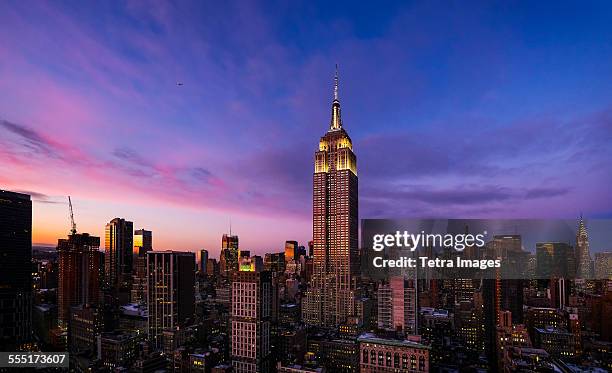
79 282
397 305
291 248
203 261
554 259
171 293
15 269
584 265
251 310
603 265
118 242
228 260
143 243
330 299
509 249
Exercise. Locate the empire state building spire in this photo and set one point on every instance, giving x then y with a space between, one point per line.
331 297
336 120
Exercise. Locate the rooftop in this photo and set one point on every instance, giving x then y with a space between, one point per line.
371 338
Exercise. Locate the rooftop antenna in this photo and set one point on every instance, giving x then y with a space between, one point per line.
230 226
72 223
336 84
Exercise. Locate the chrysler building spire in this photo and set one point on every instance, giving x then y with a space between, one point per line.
336 120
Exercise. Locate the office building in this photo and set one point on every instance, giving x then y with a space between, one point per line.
397 305
250 315
291 251
379 355
603 265
203 261
212 267
274 262
86 323
79 282
556 341
340 355
330 300
118 349
228 259
119 246
171 293
143 243
509 249
554 259
559 292
16 269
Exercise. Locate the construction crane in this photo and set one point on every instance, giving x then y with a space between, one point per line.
72 223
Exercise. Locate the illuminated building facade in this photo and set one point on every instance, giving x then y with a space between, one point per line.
274 262
118 243
397 305
118 349
603 265
541 317
340 355
251 310
509 335
228 260
143 243
557 342
330 299
291 251
86 322
584 265
390 355
79 282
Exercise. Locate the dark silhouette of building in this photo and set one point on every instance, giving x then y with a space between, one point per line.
86 323
79 282
554 259
203 261
171 294
15 270
491 294
509 249
274 262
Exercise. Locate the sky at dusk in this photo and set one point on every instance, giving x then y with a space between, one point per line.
455 109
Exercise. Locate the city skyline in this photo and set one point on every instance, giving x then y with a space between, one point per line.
152 116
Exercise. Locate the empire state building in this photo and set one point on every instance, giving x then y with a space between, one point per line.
330 299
